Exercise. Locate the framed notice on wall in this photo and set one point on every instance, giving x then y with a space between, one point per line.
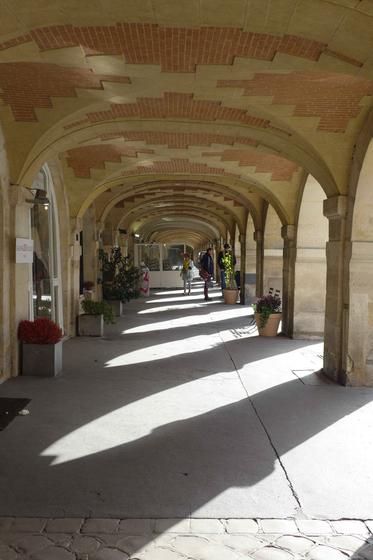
24 250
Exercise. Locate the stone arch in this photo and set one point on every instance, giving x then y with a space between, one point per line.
310 263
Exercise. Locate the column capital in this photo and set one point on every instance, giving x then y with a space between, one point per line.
76 224
20 196
288 232
335 208
258 235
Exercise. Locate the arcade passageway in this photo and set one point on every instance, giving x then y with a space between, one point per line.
136 133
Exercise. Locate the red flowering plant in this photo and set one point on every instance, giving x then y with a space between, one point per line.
40 331
266 306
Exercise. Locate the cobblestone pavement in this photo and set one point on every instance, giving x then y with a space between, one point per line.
187 539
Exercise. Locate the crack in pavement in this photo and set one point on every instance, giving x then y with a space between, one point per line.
256 412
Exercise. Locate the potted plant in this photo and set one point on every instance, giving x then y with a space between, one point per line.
88 286
230 292
91 323
120 279
41 347
268 314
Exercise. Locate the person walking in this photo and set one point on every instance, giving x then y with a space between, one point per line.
187 273
221 255
207 271
145 283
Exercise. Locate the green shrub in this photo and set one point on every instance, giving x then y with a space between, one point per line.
228 263
91 307
120 276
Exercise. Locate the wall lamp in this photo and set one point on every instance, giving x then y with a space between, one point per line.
40 197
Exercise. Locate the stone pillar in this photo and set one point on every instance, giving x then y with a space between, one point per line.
259 239
131 246
289 253
335 210
250 267
242 269
123 243
108 238
6 295
74 285
90 247
21 289
309 294
359 352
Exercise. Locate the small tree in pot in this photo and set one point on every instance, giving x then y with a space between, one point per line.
230 292
268 314
120 279
41 347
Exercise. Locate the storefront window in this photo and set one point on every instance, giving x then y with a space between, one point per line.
173 257
45 271
42 295
150 255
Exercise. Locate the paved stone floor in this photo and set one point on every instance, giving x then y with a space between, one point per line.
182 412
188 539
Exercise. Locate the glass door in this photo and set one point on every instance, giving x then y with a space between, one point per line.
46 293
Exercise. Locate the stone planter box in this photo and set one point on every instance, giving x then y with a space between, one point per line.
117 306
91 325
43 360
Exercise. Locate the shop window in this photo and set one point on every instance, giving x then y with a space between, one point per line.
45 269
173 256
150 255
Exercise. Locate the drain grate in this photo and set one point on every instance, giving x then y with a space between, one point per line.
9 408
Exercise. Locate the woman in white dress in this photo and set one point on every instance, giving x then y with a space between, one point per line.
187 273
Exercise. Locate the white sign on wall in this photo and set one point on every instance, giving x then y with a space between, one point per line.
24 250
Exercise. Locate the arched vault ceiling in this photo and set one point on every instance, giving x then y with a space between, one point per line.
250 95
178 221
230 202
209 215
124 213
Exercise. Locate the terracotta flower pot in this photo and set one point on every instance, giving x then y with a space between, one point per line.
271 326
230 296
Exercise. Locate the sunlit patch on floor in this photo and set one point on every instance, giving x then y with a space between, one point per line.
232 312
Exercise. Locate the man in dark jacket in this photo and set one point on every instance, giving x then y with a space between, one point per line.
227 251
207 270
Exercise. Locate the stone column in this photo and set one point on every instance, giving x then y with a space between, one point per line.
289 253
259 239
90 247
309 293
21 289
335 210
359 352
6 283
250 267
74 285
131 246
242 269
108 238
